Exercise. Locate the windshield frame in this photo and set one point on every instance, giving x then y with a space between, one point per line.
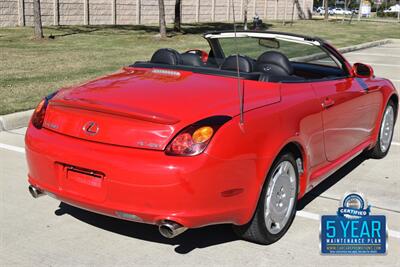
213 40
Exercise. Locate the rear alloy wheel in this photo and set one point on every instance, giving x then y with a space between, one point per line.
386 130
277 205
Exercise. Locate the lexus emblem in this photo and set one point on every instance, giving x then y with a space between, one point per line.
91 128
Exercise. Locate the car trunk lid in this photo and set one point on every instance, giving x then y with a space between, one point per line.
145 108
115 127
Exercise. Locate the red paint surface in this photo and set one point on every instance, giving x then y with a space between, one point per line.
138 112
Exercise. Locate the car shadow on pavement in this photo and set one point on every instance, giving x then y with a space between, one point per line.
330 181
185 243
193 238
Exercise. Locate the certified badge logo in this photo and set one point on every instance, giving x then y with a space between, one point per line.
353 230
354 206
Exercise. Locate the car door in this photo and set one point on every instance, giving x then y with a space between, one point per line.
372 101
343 112
349 105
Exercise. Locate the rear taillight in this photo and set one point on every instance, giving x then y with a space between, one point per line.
40 111
194 139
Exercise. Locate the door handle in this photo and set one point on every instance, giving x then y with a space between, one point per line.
328 102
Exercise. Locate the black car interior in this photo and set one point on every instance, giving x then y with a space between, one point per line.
166 56
271 66
232 63
190 59
274 67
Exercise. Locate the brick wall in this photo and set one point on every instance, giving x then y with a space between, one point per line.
8 12
72 12
126 12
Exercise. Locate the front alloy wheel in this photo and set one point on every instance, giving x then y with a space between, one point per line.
386 130
277 205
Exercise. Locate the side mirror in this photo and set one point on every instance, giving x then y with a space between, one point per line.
361 70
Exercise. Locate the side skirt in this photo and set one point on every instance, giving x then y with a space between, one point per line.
321 174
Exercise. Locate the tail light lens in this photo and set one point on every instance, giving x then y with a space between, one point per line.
40 111
194 139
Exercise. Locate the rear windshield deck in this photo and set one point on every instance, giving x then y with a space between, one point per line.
202 70
309 72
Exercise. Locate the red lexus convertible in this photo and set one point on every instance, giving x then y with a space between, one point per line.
237 135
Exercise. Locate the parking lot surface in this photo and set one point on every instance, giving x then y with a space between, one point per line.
44 232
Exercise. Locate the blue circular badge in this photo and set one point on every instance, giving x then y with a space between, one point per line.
353 206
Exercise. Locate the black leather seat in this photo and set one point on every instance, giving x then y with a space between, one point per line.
274 62
230 63
274 67
190 59
166 56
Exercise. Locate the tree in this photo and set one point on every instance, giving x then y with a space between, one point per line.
326 10
178 16
163 26
359 10
345 8
245 9
37 19
285 13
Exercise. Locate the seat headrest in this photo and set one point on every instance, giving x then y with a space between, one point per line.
230 63
270 58
166 56
190 59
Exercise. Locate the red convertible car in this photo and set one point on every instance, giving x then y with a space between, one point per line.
234 135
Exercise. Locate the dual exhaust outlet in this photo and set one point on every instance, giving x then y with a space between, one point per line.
36 192
167 228
171 229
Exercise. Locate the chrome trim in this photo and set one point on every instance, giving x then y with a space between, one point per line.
386 131
36 192
170 229
281 197
91 128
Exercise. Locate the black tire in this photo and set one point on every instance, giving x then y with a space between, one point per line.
256 230
376 152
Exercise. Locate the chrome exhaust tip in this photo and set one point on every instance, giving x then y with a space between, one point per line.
170 229
35 192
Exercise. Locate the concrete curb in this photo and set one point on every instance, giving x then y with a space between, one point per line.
367 20
15 120
365 45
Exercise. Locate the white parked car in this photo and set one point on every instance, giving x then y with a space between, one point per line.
322 12
341 11
392 9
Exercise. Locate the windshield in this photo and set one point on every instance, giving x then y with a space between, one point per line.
296 52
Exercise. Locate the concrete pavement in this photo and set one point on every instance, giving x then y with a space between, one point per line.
43 232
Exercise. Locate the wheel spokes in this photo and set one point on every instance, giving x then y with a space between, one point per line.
386 130
281 192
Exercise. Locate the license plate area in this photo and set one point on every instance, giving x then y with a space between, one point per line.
83 182
85 176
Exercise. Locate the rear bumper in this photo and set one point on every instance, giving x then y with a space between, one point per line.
193 191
